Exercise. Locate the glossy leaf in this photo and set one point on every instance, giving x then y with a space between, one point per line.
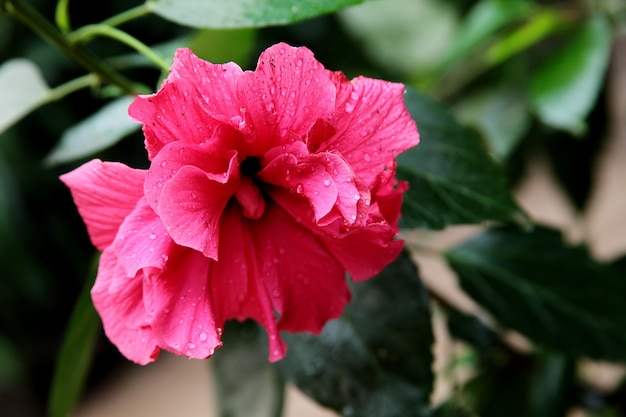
74 359
553 293
452 178
100 131
376 359
482 22
500 114
565 88
247 384
242 13
23 90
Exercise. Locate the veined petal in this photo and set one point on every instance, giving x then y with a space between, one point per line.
105 193
238 280
119 301
307 292
286 94
179 304
372 125
174 114
364 252
215 84
191 206
142 240
188 186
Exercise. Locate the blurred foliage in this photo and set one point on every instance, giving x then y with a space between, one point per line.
491 84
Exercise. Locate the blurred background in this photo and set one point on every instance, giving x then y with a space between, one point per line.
571 176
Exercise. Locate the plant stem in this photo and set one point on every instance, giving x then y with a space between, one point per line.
62 17
31 18
127 16
85 33
71 86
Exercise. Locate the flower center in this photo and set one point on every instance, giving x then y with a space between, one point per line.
248 194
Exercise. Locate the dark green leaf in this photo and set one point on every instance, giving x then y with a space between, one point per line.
452 178
220 46
242 13
553 293
99 131
549 386
74 359
376 359
565 88
247 384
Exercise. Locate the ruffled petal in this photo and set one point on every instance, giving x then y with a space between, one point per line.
105 193
307 284
286 94
119 301
179 304
364 252
142 241
238 280
173 114
216 86
372 125
188 186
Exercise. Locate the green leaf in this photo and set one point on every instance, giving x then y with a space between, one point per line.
500 114
553 293
565 88
23 90
219 14
74 359
100 131
220 46
452 178
482 22
376 359
247 384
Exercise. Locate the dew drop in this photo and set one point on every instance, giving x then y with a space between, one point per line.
153 236
203 337
191 345
356 197
219 331
327 184
299 188
163 164
367 157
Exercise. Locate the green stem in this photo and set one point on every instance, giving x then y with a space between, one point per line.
31 18
128 15
62 17
69 87
85 33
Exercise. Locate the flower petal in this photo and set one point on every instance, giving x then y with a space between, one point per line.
372 125
105 193
307 284
215 84
238 280
119 301
179 304
365 252
142 240
286 94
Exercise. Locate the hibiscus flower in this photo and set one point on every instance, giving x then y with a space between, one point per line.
264 188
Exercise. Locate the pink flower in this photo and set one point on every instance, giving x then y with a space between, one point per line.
264 188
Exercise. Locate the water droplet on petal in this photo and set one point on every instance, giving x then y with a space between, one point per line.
367 157
327 183
163 164
191 345
153 236
299 188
